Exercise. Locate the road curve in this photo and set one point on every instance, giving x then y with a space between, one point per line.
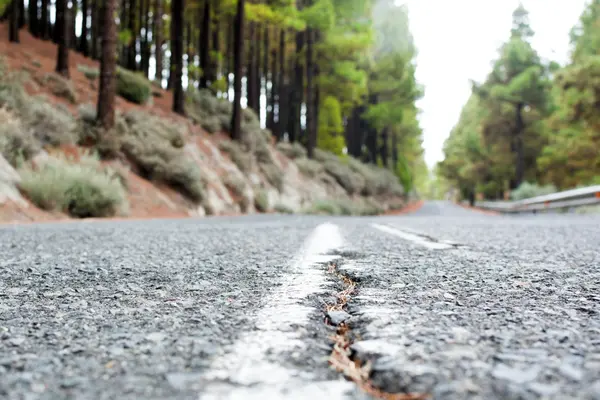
445 301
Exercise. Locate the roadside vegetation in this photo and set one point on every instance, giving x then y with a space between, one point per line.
532 126
358 138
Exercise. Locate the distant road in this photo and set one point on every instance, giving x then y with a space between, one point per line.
445 301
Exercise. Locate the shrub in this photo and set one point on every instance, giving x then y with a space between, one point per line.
308 167
348 179
90 72
377 180
292 150
324 207
60 87
82 189
527 190
273 174
240 158
153 146
323 156
261 201
263 153
16 142
283 209
133 86
237 187
50 125
345 207
212 113
234 184
12 93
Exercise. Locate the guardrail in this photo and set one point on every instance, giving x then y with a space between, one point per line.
567 199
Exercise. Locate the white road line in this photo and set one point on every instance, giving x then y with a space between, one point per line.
250 368
412 237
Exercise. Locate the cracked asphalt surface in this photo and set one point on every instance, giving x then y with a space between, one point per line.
231 307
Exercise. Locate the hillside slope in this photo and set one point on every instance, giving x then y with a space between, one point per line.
54 163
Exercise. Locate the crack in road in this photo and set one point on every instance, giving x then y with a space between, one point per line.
342 358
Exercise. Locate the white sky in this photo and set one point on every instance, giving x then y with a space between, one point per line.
457 40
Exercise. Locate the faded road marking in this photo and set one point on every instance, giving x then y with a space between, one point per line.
253 364
414 238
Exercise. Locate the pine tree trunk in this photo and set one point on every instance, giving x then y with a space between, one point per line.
177 55
33 17
13 33
215 63
146 47
282 97
311 124
123 25
83 40
205 46
131 51
229 58
157 34
73 33
108 65
238 62
385 147
256 80
298 91
519 152
21 13
63 28
251 78
45 21
272 96
95 28
394 151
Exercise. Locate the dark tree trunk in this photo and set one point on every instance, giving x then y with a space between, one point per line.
21 13
123 19
45 21
205 46
355 132
251 74
96 29
73 34
281 90
63 27
146 46
272 95
177 55
131 51
13 33
216 48
83 40
238 62
518 145
157 35
311 123
298 91
229 51
394 151
171 78
385 152
108 65
33 17
256 79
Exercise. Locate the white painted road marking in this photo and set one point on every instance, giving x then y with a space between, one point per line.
413 238
245 371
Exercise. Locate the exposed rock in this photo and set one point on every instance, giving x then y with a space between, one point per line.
9 179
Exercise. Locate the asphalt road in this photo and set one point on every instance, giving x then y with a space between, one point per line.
449 302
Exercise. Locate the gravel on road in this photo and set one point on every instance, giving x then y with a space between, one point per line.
450 302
